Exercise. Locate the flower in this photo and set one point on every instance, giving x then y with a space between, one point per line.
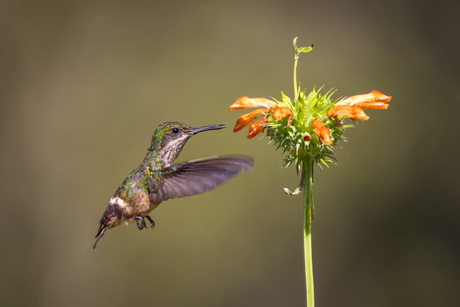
371 100
270 108
245 102
309 126
307 129
256 127
281 112
352 107
311 115
321 132
245 119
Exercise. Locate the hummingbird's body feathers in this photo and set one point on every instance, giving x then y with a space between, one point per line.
156 179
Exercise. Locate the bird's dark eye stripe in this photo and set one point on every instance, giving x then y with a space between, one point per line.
175 130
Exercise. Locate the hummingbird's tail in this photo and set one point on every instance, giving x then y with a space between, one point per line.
100 233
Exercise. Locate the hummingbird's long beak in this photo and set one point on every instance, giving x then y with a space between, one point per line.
206 128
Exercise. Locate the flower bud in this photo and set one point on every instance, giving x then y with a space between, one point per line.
321 132
245 119
257 127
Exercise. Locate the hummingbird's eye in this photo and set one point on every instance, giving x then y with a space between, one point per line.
175 130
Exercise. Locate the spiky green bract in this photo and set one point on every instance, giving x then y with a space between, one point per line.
297 139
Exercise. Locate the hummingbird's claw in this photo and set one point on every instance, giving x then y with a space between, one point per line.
140 222
151 222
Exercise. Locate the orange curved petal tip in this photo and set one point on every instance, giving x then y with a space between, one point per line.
371 100
245 102
352 112
282 112
256 127
245 119
321 132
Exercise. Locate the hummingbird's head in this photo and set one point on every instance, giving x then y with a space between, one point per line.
170 137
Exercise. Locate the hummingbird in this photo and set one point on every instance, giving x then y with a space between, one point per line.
157 179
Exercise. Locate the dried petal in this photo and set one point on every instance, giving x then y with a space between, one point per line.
321 132
371 100
257 127
245 102
282 112
245 119
352 112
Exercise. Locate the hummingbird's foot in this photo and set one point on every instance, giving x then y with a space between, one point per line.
140 222
151 222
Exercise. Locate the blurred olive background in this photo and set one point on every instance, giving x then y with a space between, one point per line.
85 83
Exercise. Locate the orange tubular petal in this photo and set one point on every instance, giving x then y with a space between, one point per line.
257 127
282 112
245 119
321 132
247 103
352 112
371 100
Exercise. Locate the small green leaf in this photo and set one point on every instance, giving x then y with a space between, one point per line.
286 99
305 49
299 50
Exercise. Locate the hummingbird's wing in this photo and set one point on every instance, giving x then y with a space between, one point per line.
195 177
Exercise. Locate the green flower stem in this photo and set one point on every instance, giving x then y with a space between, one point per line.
296 59
307 173
298 51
